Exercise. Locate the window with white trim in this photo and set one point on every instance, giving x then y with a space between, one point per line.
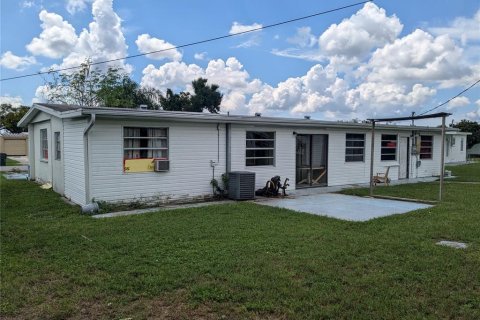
145 143
426 147
354 147
58 152
43 144
260 148
461 144
389 147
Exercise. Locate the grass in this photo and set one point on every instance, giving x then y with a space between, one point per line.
239 261
12 162
466 173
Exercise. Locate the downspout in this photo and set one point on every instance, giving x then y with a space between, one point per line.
86 158
228 166
372 157
218 142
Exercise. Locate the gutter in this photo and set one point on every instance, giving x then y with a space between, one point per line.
86 156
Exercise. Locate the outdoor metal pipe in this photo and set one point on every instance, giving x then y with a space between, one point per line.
90 124
227 147
442 160
86 163
372 149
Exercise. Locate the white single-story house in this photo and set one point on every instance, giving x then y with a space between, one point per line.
113 154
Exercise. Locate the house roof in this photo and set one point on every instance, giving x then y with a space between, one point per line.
475 149
70 111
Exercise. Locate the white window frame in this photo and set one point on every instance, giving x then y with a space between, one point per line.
57 143
422 154
347 147
247 148
382 148
44 144
142 149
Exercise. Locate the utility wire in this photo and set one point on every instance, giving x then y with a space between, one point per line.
444 103
194 43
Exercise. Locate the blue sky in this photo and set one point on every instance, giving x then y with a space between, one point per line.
379 59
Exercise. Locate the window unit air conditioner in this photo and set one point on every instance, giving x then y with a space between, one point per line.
161 165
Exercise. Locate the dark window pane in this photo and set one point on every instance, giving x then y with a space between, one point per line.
389 137
355 136
389 144
259 153
388 157
260 144
389 150
354 151
260 135
426 138
355 143
352 158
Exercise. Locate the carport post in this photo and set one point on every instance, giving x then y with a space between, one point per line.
372 152
442 160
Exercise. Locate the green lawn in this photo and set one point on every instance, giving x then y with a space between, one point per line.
239 261
11 162
468 173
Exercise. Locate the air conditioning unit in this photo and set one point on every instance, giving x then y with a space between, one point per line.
241 185
161 165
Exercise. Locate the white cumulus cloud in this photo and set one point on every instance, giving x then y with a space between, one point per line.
57 38
103 40
253 37
238 27
74 6
14 101
354 38
458 102
146 43
11 61
462 28
303 38
200 56
418 56
233 80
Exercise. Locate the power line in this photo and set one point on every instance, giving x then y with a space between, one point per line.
193 43
444 103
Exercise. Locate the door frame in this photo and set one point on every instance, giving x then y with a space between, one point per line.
325 150
406 160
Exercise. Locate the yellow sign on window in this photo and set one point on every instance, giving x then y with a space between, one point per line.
138 165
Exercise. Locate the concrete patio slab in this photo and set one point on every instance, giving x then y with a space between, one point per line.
13 168
344 207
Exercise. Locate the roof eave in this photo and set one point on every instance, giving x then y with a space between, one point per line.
215 118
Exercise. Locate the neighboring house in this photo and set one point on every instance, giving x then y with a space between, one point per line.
456 147
474 151
14 144
108 154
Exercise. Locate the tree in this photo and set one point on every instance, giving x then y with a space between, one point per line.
472 127
205 97
176 101
92 88
9 117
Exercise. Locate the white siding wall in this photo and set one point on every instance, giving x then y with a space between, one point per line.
455 154
191 147
58 178
43 168
74 160
339 171
284 154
